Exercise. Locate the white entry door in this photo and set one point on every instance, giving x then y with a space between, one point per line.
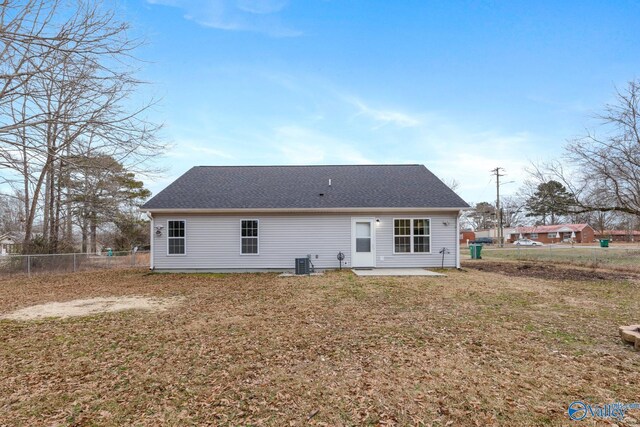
363 242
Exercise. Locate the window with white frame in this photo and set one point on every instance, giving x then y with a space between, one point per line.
534 235
249 236
176 237
411 235
551 235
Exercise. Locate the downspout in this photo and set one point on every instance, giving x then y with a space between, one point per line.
151 239
458 239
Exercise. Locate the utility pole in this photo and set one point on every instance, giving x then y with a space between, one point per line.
497 173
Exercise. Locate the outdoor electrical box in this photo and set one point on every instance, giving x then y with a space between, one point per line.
303 266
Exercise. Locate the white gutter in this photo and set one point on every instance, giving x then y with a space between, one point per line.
151 238
458 239
288 210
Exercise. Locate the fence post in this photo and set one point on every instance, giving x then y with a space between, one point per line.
29 265
74 262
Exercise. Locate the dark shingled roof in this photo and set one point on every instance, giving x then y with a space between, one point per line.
299 187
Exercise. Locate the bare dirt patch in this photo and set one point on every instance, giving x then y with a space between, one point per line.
547 271
88 307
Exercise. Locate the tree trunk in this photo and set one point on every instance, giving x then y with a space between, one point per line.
26 243
45 216
94 232
85 237
56 234
68 209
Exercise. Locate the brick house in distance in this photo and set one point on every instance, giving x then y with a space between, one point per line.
619 235
554 233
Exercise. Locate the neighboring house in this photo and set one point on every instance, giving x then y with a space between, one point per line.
9 244
579 233
467 236
257 218
619 235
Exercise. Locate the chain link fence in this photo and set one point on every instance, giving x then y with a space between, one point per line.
623 256
11 265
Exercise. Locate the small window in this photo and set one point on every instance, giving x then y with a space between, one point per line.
249 236
402 235
412 235
176 241
421 235
534 235
551 235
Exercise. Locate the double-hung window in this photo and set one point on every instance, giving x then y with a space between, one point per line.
176 240
411 235
249 236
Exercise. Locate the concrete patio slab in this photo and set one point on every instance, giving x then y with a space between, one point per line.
395 272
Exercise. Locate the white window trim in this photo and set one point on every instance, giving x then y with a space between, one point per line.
393 235
185 236
256 237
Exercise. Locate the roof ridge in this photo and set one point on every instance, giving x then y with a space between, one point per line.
306 166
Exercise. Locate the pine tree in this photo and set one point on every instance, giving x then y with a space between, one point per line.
551 200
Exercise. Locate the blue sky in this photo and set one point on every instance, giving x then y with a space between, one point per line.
460 86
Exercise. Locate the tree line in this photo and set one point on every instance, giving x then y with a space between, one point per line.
73 139
597 180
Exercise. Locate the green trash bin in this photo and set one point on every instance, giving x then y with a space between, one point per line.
604 243
476 250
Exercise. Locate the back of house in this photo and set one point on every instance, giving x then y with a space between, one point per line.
261 218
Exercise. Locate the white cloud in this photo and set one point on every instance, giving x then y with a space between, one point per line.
258 16
468 156
208 151
385 116
299 145
197 152
318 124
261 6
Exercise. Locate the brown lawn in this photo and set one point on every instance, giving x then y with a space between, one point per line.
473 348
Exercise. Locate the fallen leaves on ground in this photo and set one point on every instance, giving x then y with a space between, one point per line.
472 348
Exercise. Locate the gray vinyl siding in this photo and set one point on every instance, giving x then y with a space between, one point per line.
213 241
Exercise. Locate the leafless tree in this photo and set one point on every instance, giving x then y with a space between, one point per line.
11 213
68 77
481 217
602 169
513 211
452 183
